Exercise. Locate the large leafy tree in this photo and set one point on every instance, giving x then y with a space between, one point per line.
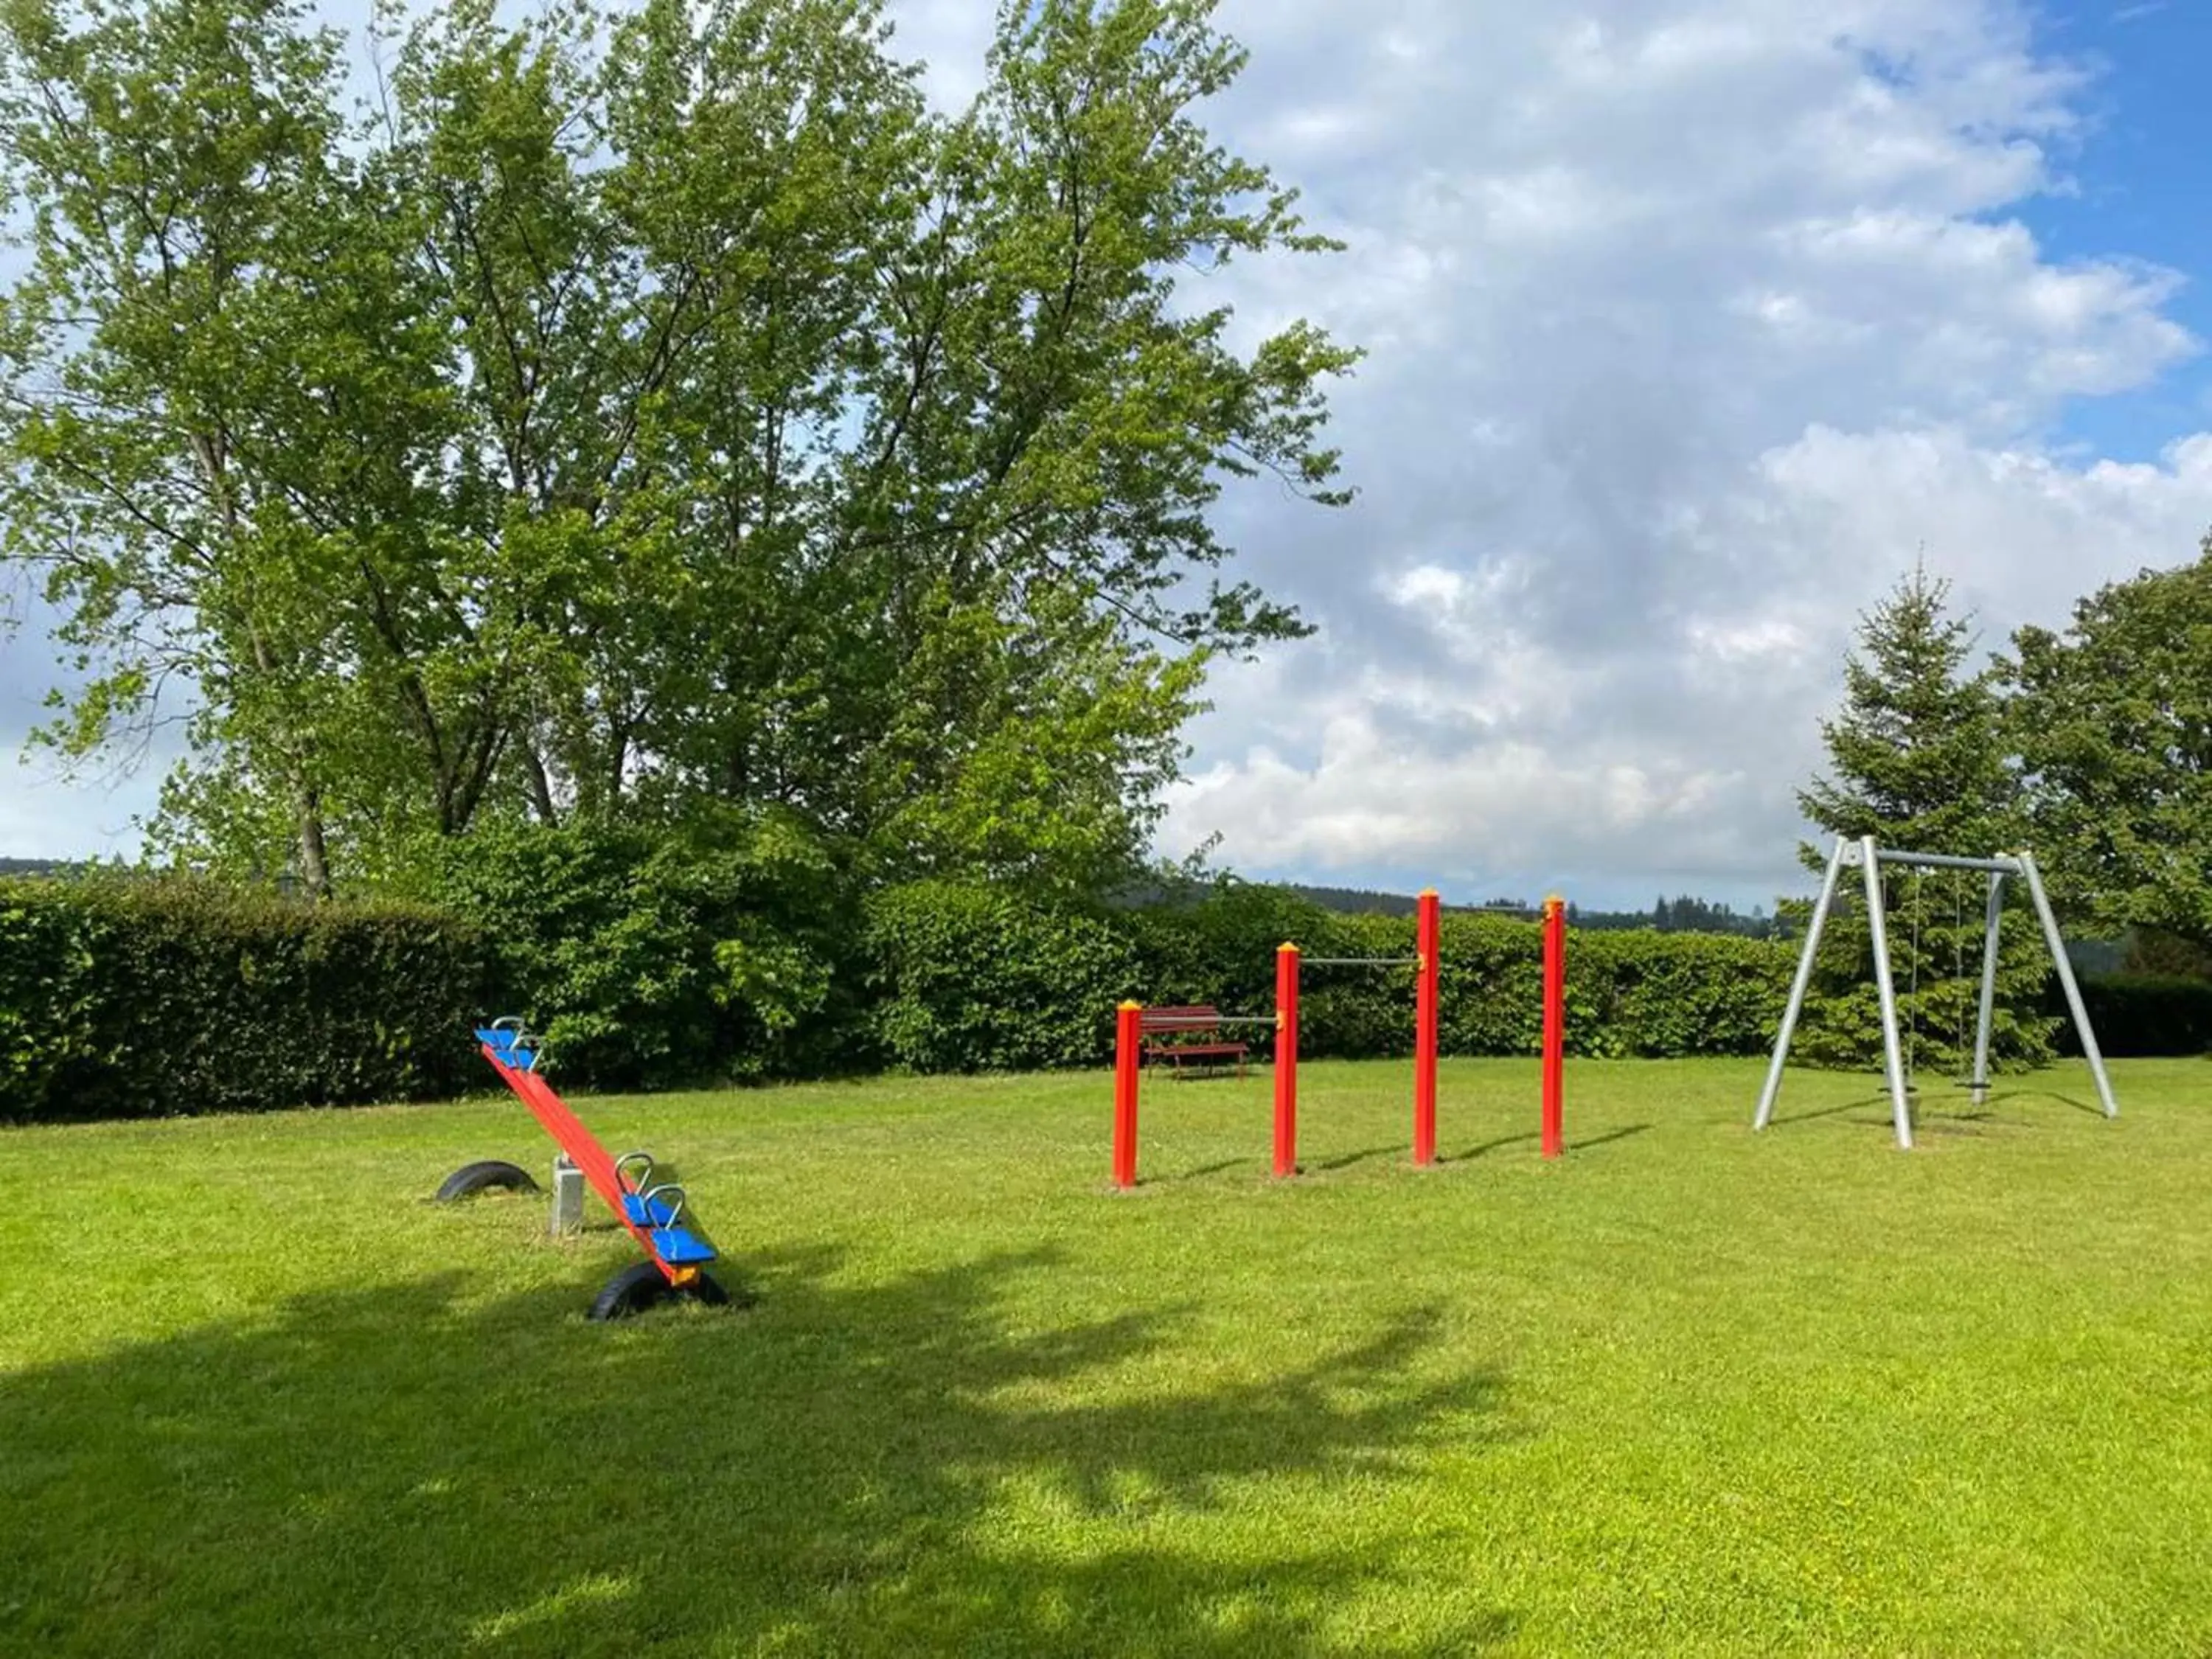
2113 721
1918 758
637 413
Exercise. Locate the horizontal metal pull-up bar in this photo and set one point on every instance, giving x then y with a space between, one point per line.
1157 1019
1360 961
1944 861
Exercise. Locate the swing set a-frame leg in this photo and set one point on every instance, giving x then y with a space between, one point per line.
2067 982
1993 932
1795 1006
1892 1051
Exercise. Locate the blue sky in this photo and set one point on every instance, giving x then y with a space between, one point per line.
2140 185
1690 324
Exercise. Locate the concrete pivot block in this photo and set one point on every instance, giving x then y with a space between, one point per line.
567 1197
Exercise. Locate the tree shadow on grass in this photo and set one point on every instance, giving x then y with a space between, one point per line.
858 1466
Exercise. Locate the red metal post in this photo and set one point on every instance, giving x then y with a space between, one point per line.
1428 945
1287 1060
1127 1039
1555 1023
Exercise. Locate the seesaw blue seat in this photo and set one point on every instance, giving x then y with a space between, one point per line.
508 1043
678 1247
643 1212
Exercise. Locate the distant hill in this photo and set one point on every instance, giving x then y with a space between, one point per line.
1686 914
29 867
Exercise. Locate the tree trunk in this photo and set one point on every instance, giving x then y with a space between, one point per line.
314 858
541 786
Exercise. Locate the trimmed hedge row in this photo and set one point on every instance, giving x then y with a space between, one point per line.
2144 1014
968 979
142 998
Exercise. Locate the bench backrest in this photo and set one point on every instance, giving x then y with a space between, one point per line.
1194 1018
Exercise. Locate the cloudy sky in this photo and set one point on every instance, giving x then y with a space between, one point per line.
1690 322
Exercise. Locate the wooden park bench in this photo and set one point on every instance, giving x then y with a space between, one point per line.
1180 1035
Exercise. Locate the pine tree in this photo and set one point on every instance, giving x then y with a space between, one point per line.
1917 759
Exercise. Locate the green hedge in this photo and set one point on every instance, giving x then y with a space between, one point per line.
123 998
967 979
2144 1014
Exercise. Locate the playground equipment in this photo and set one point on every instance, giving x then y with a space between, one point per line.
1135 1021
1555 1025
653 1213
1871 860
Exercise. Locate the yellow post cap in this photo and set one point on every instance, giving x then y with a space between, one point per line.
1133 1003
1287 945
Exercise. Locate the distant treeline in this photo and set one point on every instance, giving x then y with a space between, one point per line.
1686 914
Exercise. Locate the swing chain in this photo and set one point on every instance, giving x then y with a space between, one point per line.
1913 995
1959 959
1960 1035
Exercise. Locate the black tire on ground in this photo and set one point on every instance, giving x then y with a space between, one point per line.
708 1293
643 1285
487 1175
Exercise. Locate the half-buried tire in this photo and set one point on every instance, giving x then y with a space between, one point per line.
643 1285
490 1176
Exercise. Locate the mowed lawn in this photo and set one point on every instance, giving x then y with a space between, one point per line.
1689 1390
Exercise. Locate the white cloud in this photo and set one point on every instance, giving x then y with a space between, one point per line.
1689 321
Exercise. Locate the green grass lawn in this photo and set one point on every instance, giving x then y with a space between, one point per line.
1689 1390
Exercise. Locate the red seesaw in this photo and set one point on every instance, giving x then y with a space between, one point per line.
1129 1034
653 1212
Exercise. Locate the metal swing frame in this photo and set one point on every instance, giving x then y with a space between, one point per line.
1871 859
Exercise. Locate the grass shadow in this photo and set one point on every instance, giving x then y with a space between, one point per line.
1609 1137
869 1463
1346 1160
2006 1097
1496 1145
1857 1104
1220 1166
